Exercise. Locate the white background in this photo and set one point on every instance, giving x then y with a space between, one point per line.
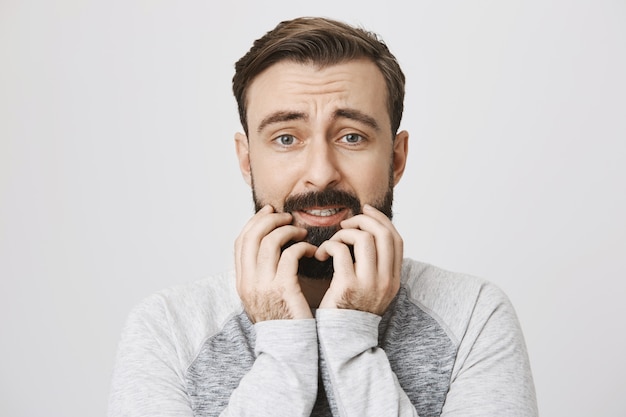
118 175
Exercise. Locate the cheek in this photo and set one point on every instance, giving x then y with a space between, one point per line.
271 184
371 182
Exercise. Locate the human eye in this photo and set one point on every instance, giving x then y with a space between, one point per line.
285 140
352 139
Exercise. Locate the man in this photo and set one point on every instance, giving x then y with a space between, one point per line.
322 315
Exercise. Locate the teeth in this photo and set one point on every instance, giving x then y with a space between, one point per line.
323 213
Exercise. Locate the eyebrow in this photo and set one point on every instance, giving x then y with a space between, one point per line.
357 116
281 116
286 116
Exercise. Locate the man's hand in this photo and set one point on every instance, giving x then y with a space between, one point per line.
267 281
372 281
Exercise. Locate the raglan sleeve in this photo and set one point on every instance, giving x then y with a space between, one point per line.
148 376
491 376
283 379
362 382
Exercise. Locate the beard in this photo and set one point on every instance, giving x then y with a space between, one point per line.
310 267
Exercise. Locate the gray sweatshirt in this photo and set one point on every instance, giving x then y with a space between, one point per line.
448 345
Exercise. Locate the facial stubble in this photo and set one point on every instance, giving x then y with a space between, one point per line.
312 268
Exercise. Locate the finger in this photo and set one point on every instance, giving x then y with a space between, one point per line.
250 241
267 209
244 230
242 236
288 263
270 248
370 212
261 224
246 244
398 242
384 220
365 252
342 259
287 278
384 242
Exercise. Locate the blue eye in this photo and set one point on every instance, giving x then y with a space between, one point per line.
285 140
352 138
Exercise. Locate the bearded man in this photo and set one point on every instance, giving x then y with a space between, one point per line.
323 315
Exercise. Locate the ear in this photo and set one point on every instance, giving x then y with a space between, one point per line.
243 154
400 152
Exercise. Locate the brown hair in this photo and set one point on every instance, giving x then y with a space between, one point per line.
323 42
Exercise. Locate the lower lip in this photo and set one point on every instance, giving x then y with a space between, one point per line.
321 221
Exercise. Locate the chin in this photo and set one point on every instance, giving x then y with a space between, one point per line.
311 268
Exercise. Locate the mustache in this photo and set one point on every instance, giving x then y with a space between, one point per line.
328 197
311 267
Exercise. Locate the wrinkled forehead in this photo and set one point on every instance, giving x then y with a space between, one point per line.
316 91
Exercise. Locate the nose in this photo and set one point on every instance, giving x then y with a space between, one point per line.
321 169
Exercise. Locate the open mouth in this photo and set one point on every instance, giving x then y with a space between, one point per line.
323 212
326 208
321 216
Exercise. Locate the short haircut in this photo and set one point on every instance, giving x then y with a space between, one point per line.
322 42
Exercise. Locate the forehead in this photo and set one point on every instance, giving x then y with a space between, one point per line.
318 91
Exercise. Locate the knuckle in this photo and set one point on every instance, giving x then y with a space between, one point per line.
294 250
387 236
272 239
